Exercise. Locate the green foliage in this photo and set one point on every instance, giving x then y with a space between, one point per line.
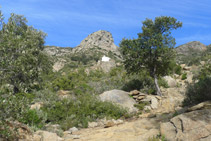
22 61
153 49
162 82
76 82
33 118
85 59
158 138
141 105
198 92
184 76
70 112
205 71
12 108
174 68
194 57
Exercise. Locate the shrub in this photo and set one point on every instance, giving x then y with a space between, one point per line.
12 108
178 69
158 138
184 76
69 112
34 118
198 92
162 82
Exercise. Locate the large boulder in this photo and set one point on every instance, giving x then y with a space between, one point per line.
170 81
192 126
46 136
119 97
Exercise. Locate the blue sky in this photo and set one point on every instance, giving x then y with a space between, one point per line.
68 22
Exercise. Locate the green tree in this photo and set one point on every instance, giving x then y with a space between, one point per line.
153 49
21 59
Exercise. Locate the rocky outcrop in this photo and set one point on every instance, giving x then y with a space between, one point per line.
119 97
57 51
188 48
191 126
101 39
58 65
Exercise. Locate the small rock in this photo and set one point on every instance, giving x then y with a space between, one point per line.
202 63
119 121
158 97
140 97
109 124
135 97
142 94
147 108
146 99
65 133
147 115
92 124
154 103
182 65
73 129
187 68
71 137
63 92
37 105
75 136
134 92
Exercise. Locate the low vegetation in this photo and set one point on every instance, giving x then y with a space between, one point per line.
201 90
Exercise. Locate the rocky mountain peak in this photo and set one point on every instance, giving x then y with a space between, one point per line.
101 39
185 49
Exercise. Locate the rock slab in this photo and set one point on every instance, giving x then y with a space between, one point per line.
119 97
192 126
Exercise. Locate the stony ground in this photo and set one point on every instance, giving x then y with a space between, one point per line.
142 128
165 116
135 130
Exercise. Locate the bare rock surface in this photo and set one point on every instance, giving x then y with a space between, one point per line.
119 97
170 81
192 126
46 136
138 130
102 39
189 47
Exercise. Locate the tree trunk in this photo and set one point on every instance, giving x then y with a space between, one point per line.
158 91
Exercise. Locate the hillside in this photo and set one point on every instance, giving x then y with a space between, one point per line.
87 53
191 52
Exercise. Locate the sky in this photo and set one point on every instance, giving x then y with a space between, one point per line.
68 22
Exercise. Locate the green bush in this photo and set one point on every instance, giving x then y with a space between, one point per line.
158 138
162 82
184 76
198 92
178 69
12 108
34 118
69 112
75 82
